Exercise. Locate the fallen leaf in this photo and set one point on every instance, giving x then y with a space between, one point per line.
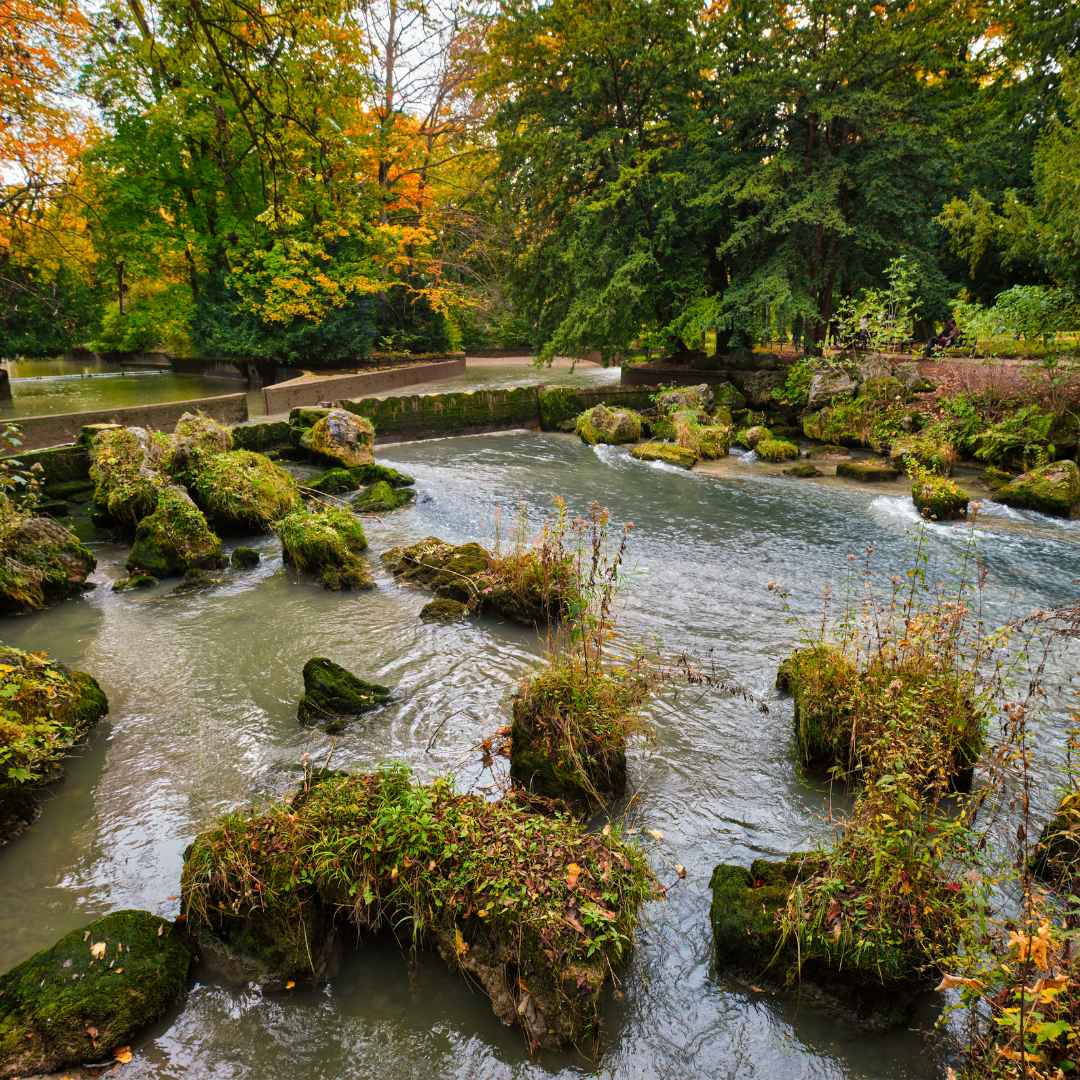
949 981
86 935
289 985
681 870
92 1032
161 930
756 988
460 943
123 1054
97 951
573 872
606 830
656 834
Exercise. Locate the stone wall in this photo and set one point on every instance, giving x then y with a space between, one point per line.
41 431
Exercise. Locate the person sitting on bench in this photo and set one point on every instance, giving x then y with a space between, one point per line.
948 336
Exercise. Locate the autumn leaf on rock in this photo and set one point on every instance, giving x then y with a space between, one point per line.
122 1054
97 950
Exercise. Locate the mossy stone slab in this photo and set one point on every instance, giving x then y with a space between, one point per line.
113 978
332 695
1054 489
670 455
867 472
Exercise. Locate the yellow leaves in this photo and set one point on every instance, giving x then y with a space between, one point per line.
656 834
573 872
460 944
289 985
1034 946
97 950
122 1054
950 981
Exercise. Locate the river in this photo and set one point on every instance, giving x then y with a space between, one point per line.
203 692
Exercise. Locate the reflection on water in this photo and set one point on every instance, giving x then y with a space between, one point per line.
204 689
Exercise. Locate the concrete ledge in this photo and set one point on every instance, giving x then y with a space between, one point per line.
311 389
644 376
42 431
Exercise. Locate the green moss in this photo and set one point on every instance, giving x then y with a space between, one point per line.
42 561
866 471
729 395
126 469
334 482
776 450
487 881
381 498
326 544
803 472
51 508
244 492
332 695
937 497
339 481
557 405
452 572
994 478
444 611
750 437
196 581
306 417
196 439
174 538
670 455
136 581
744 910
259 435
1054 489
244 558
59 464
68 489
928 450
50 1004
604 425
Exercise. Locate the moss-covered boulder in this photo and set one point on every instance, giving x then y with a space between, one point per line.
259 435
745 911
342 438
48 709
444 611
1057 855
244 492
339 481
334 482
926 450
174 538
938 497
558 404
127 467
753 435
728 395
381 498
195 581
91 993
803 472
244 558
536 910
135 581
698 398
604 425
992 478
1054 489
196 439
776 450
328 544
43 562
333 695
819 453
453 572
868 472
669 455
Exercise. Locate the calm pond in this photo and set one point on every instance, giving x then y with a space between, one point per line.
203 692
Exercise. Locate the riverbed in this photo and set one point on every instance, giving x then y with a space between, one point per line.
203 692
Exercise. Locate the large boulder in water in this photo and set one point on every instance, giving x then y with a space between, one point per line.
91 993
243 491
174 538
342 438
43 563
333 695
604 425
196 439
1054 489
126 467
327 544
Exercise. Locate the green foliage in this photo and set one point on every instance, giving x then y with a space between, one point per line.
159 319
245 491
936 496
42 317
776 450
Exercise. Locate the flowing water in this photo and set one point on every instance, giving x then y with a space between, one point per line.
203 692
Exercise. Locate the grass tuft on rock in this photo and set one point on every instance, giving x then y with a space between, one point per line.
536 909
936 496
244 492
776 450
327 544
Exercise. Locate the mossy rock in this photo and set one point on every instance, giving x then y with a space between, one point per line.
327 544
43 563
174 538
339 481
558 404
612 426
195 581
939 498
752 436
444 611
935 455
244 492
18 811
776 450
868 472
803 472
342 438
696 398
1058 851
135 581
244 558
127 469
1054 489
381 498
115 977
332 695
828 452
196 439
669 455
52 508
450 571
259 435
306 416
993 478
728 395
334 482
744 910
69 488
90 431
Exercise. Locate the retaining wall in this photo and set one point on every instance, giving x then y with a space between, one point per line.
311 389
41 431
643 376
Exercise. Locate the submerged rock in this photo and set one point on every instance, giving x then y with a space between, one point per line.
993 478
670 455
868 472
326 544
243 491
343 438
444 611
244 558
339 481
135 581
195 581
938 497
803 472
381 498
604 425
91 993
43 563
174 538
332 695
1054 489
